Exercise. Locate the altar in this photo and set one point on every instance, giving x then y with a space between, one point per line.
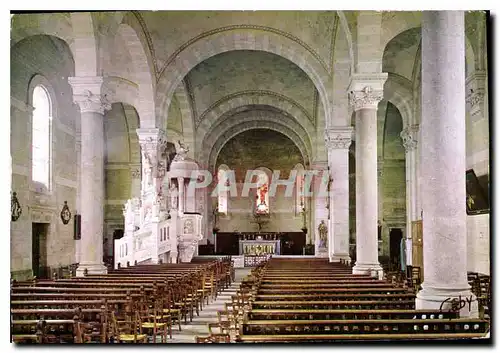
259 247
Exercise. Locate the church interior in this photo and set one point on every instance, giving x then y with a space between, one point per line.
249 177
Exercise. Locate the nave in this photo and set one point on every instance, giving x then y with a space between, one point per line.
209 301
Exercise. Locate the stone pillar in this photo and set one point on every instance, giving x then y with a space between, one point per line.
181 205
87 94
365 92
338 140
409 135
380 194
443 163
320 207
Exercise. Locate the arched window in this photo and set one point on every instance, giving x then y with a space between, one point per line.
222 179
41 151
262 197
299 189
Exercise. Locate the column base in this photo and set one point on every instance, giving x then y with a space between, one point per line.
373 269
441 298
92 269
338 257
322 252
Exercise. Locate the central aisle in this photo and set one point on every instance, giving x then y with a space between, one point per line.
199 325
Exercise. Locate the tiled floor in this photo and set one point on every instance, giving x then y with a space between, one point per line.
199 325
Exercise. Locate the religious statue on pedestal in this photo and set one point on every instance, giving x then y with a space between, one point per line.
323 234
173 196
182 151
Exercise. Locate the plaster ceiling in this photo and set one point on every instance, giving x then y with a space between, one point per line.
171 30
234 72
400 53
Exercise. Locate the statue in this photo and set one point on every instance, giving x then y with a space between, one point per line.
173 196
181 150
147 168
323 234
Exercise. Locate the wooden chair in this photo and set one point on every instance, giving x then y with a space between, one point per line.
152 321
127 331
215 338
173 313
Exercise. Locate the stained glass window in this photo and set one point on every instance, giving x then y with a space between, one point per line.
262 197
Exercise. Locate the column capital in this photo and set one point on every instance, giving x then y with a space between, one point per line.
475 85
409 135
338 137
366 90
88 94
319 165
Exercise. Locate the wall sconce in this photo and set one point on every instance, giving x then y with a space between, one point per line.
65 213
15 207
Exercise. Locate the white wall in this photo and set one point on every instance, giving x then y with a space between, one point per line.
50 58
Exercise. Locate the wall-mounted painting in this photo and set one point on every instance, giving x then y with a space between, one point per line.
477 199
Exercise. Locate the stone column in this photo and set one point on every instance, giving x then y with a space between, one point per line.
338 140
320 206
443 163
380 194
181 200
365 92
87 94
409 135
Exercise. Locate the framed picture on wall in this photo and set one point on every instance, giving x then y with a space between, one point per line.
477 200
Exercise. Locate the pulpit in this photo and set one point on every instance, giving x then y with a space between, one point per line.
259 247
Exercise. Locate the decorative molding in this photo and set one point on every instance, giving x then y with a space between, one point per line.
190 93
92 103
116 166
334 37
366 90
409 135
153 144
254 93
476 91
20 105
367 98
115 202
236 27
338 138
42 215
21 170
149 41
88 94
315 107
66 182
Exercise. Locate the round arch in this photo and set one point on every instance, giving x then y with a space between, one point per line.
26 25
241 99
209 158
398 91
225 40
254 118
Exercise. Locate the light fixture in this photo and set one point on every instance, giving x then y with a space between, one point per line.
65 213
15 207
